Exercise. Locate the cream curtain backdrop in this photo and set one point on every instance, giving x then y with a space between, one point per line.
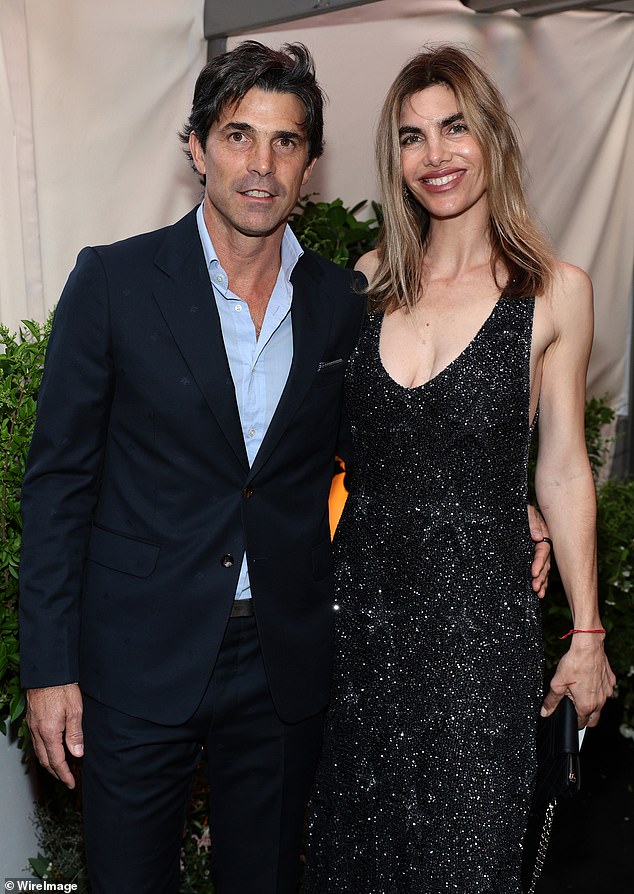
92 96
569 82
21 268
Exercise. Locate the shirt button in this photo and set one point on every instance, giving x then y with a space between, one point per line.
218 278
251 432
238 308
227 560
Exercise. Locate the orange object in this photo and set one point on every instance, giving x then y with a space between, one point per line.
336 500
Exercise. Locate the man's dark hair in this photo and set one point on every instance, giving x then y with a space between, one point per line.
227 79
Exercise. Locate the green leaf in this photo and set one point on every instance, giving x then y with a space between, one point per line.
17 706
39 865
33 327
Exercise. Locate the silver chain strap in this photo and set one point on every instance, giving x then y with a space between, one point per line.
542 847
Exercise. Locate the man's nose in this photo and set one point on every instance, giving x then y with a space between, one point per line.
262 159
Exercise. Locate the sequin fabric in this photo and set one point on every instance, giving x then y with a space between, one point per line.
426 773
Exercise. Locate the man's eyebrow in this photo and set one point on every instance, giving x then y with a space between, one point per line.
244 127
237 125
290 135
444 122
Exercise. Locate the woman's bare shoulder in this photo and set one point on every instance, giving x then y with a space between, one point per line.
368 264
565 311
570 290
570 282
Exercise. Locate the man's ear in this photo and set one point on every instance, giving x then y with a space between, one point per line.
198 154
308 171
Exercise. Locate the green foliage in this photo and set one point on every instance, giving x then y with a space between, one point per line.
599 415
21 361
333 231
615 537
59 833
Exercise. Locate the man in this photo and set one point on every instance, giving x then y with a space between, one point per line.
177 587
176 561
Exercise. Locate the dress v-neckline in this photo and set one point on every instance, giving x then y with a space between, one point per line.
446 369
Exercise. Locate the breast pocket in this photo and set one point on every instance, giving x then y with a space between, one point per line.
330 372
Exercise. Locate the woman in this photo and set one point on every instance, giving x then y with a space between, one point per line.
428 762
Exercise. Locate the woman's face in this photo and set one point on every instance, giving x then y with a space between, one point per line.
441 162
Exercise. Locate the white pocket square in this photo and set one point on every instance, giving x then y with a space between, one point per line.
330 364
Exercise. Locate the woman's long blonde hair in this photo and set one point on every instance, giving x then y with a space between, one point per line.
517 245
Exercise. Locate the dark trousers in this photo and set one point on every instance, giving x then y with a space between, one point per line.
137 778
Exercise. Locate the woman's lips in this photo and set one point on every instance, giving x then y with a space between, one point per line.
440 181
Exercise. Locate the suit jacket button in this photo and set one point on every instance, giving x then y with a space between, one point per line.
247 493
227 560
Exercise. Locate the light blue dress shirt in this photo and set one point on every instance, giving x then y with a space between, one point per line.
259 366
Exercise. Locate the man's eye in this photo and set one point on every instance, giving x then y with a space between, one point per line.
237 137
287 143
410 139
459 127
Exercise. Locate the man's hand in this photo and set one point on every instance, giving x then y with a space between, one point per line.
53 716
543 551
585 675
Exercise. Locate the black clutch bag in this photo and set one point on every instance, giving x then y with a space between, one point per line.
557 755
557 771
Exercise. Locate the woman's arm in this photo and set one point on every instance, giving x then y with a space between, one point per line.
565 490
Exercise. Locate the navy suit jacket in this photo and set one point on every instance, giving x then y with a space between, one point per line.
138 500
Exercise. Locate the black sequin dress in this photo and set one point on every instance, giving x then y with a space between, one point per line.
426 775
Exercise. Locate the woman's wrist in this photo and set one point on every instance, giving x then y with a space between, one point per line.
577 631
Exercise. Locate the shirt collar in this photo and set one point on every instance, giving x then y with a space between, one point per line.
291 249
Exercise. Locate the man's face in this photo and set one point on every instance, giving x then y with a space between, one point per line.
255 163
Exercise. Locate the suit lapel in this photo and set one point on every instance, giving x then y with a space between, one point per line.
311 323
185 298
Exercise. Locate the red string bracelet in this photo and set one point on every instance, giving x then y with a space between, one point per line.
575 630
